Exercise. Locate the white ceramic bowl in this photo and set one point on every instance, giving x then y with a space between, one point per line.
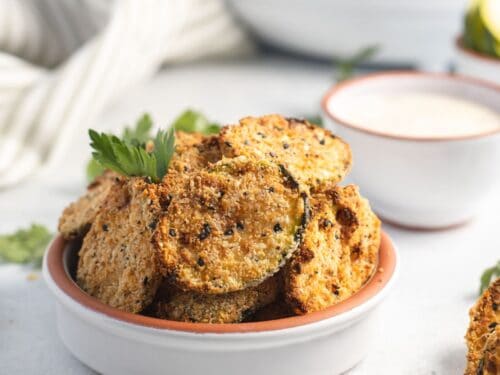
115 342
408 32
419 182
475 64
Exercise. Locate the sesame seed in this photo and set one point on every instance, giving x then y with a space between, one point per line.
205 232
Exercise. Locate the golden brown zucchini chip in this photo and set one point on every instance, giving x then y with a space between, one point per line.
490 363
339 251
360 234
119 264
483 335
231 226
194 151
217 308
76 219
310 153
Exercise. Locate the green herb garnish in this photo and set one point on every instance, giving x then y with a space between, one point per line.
316 120
164 148
136 136
488 276
192 121
345 68
131 159
189 121
25 245
141 133
94 169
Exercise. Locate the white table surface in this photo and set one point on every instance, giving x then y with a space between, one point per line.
424 319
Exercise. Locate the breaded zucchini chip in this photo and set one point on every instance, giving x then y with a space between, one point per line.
119 264
76 219
310 153
194 151
231 226
360 235
339 251
490 364
483 335
217 308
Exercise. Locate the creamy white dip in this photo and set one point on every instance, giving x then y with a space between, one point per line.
420 114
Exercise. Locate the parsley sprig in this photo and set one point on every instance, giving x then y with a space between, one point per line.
488 276
25 246
346 67
126 154
141 133
138 135
131 158
191 121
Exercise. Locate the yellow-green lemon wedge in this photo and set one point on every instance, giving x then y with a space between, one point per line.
482 27
490 16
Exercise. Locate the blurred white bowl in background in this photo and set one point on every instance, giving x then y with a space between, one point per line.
475 64
419 182
409 32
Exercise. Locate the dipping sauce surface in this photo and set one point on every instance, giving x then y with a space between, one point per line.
420 114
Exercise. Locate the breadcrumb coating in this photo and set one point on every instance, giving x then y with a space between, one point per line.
229 227
194 151
231 307
76 219
119 264
311 154
338 253
483 335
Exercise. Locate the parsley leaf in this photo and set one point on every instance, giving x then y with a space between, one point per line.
164 147
25 245
136 136
345 69
140 136
133 160
488 275
316 120
94 169
191 121
141 133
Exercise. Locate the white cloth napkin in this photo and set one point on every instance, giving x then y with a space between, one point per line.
62 61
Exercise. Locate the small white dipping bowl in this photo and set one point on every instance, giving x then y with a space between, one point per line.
115 342
475 64
419 182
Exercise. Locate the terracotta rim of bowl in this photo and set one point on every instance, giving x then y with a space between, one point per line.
459 43
385 271
337 89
